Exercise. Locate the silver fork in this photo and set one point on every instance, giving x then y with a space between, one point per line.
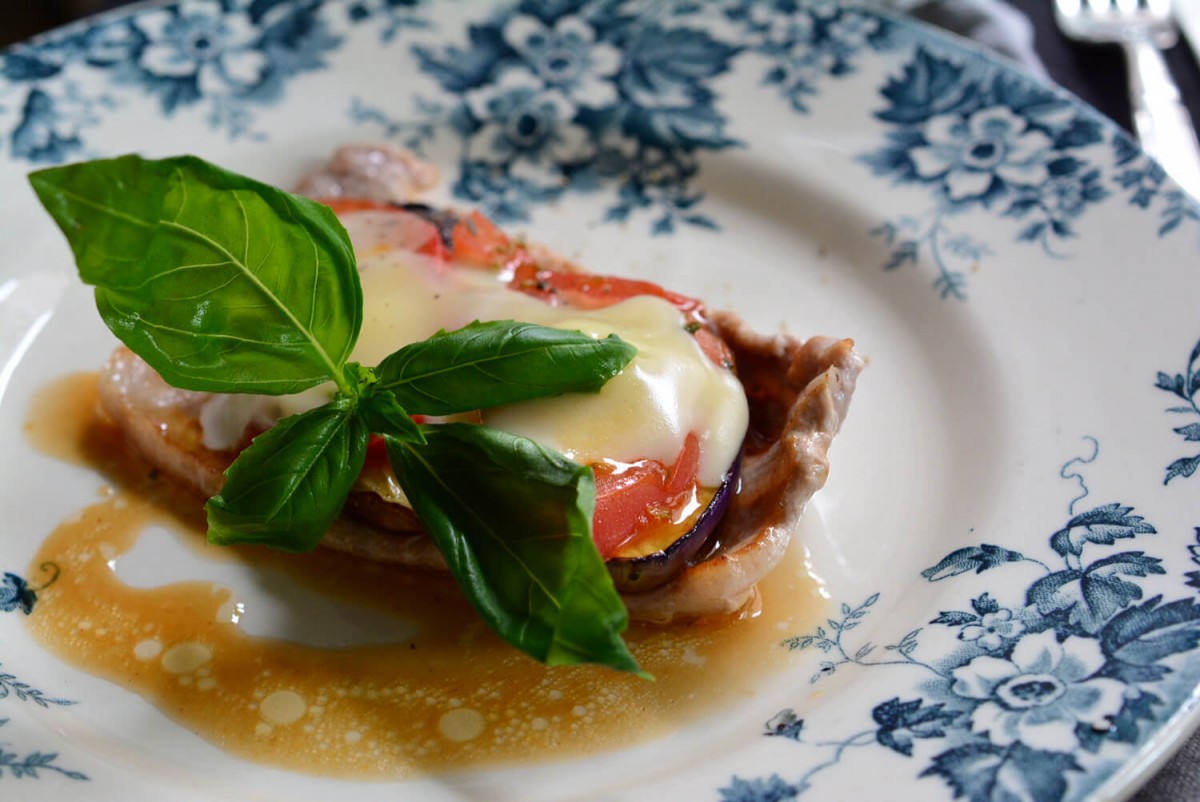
1143 28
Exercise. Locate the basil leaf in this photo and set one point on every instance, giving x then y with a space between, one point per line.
285 489
220 282
514 521
383 414
499 362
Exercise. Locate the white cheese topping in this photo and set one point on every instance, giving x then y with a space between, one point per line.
668 390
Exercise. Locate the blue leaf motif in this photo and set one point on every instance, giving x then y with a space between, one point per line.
972 558
970 769
1136 639
1088 598
38 137
985 604
667 68
1184 466
1126 725
697 126
33 763
902 722
29 64
1172 384
15 594
1103 525
1191 432
983 772
772 789
930 85
458 69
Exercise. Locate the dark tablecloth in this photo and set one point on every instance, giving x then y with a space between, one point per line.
1097 74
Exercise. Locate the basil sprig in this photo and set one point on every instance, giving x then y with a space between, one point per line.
224 284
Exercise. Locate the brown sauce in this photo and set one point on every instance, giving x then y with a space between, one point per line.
452 697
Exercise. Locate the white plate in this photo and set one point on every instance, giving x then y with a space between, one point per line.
1008 534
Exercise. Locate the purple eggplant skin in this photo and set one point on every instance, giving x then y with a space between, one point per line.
641 574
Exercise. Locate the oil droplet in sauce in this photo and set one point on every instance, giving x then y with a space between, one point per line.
453 696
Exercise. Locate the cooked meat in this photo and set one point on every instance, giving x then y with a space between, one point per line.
380 173
798 394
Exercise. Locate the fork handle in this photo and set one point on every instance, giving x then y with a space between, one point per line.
1160 118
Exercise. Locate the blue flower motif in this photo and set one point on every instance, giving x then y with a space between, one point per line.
978 154
527 127
1041 693
15 594
50 126
797 69
992 628
213 51
1065 196
566 56
852 32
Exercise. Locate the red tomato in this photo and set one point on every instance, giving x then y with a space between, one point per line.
411 232
595 292
478 241
376 452
632 497
585 291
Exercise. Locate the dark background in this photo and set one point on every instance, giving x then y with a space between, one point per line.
1096 74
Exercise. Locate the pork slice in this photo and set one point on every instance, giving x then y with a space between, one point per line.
799 393
380 173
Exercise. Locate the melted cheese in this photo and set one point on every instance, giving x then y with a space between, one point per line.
668 390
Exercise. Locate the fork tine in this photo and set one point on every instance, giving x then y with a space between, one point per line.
1127 6
1098 7
1159 8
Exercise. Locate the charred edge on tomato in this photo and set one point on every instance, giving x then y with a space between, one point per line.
444 220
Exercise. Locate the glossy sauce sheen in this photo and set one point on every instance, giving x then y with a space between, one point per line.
452 697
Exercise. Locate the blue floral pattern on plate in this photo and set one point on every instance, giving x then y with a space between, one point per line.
1031 685
1025 697
229 57
1186 387
17 595
575 96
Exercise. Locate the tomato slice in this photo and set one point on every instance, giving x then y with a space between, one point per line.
587 291
476 240
411 232
630 497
